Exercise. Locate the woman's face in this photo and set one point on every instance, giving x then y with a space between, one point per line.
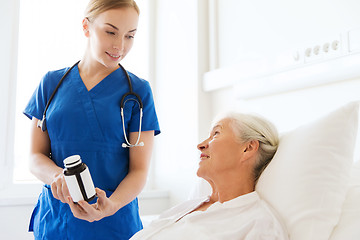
111 35
220 152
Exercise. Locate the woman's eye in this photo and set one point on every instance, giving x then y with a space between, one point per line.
110 33
129 37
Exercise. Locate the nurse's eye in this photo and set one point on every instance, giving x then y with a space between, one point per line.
110 33
130 37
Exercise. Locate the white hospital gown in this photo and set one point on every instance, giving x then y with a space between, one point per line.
246 217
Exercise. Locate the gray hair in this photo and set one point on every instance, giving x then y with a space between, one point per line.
248 127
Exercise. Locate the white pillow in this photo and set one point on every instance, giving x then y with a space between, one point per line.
307 180
348 227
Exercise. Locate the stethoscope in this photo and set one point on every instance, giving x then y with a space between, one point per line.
42 123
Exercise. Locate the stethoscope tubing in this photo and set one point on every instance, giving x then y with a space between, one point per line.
42 123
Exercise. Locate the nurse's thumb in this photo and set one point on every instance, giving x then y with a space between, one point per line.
100 193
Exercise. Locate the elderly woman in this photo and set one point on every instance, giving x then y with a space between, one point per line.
238 149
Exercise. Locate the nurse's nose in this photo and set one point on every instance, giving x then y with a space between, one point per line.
119 45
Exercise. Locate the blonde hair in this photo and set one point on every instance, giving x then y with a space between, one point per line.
248 127
96 7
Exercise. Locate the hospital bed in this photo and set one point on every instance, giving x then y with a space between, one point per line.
313 181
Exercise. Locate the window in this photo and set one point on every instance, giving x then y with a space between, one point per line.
51 37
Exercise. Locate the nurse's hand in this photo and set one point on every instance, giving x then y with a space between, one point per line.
102 208
59 188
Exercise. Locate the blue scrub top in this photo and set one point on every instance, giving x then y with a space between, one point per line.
88 123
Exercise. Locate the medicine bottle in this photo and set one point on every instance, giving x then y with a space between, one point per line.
78 179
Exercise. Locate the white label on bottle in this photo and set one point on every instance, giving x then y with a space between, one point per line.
74 188
88 183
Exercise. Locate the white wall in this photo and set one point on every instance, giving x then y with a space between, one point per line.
291 109
176 94
264 35
271 31
8 18
14 216
14 222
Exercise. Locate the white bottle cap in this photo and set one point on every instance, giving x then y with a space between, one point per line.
72 161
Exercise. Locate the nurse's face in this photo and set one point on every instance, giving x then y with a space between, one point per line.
220 153
111 35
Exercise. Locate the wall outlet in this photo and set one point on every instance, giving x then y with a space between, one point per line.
328 48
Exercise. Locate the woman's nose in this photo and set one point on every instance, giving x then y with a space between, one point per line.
203 145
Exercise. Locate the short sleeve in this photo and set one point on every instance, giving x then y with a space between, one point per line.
36 105
149 119
38 100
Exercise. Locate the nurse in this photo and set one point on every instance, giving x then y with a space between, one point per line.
84 119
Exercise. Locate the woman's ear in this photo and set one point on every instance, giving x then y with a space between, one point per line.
251 148
85 24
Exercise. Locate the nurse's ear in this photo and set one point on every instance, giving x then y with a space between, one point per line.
85 24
